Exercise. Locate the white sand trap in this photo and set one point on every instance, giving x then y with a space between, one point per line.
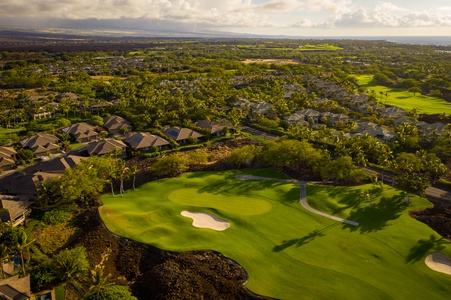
439 262
206 220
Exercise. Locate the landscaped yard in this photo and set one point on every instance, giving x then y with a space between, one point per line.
291 253
405 99
10 133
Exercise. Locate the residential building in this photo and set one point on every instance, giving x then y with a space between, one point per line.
116 125
311 115
14 210
15 288
41 144
107 146
144 141
81 132
181 135
215 129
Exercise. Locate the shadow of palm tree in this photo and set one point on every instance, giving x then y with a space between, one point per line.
303 240
298 242
422 247
376 216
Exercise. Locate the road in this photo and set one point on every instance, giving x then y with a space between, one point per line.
261 133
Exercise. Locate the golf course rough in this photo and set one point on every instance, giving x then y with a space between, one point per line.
288 252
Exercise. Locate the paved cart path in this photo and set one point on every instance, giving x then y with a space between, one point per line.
302 196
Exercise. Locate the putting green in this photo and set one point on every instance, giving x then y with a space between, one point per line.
288 252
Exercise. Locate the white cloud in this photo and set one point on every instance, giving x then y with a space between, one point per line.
384 14
224 12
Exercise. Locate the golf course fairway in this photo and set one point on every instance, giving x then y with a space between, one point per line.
404 99
289 252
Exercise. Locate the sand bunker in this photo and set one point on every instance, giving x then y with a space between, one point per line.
439 262
206 220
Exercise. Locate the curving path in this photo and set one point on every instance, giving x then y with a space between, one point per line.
302 196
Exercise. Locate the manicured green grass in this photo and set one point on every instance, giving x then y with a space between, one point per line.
289 252
405 99
76 146
10 133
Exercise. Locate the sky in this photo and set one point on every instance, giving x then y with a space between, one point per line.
264 17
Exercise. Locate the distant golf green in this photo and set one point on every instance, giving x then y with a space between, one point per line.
305 47
289 252
404 99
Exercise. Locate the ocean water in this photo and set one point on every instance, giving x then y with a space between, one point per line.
420 40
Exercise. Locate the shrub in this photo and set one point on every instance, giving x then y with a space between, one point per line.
56 216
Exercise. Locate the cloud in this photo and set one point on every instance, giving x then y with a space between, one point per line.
214 13
383 14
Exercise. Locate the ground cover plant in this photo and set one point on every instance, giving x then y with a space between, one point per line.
287 251
403 98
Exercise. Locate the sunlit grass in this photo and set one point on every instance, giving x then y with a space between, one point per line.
404 99
289 252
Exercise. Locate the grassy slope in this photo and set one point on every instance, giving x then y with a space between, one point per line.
405 99
286 250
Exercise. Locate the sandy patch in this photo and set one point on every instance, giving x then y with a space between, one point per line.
439 262
270 61
206 220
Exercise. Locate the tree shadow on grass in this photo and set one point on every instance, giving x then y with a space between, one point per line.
291 197
375 217
239 186
349 199
423 247
298 242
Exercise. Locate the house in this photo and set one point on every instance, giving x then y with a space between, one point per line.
82 132
290 89
261 108
215 129
71 97
13 210
96 108
144 141
295 119
8 152
23 184
374 130
359 103
6 164
57 165
27 182
428 128
311 115
242 103
341 118
391 112
181 135
117 125
106 146
41 144
15 288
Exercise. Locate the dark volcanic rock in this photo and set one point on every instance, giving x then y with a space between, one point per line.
156 274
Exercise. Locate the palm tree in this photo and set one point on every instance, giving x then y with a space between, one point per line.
71 265
112 174
23 243
133 170
116 151
4 255
98 285
123 173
